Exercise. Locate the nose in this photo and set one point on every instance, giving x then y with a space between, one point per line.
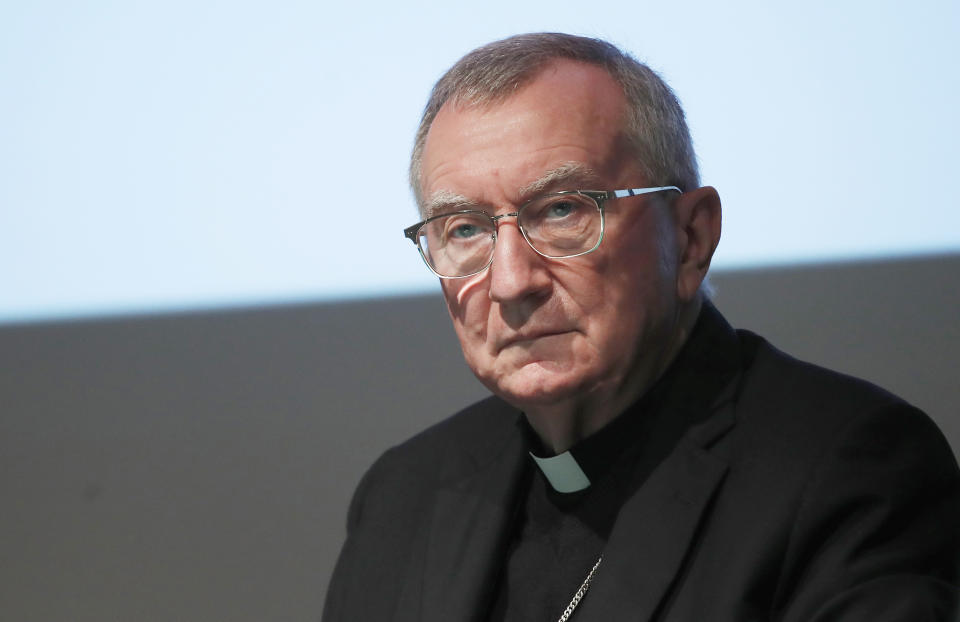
518 272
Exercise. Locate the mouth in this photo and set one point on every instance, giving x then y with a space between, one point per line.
530 336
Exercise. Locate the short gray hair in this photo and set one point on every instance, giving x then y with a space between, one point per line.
656 125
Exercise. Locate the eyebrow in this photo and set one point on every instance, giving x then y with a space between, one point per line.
446 201
567 176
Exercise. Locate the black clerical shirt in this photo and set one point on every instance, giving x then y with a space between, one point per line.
558 537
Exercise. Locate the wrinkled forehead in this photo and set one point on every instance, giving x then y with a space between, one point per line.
571 118
566 176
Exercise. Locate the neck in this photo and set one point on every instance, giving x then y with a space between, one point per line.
563 424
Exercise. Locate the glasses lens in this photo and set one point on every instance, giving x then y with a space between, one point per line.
562 225
458 244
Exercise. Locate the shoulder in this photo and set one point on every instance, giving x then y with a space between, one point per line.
842 487
806 429
806 401
392 505
466 437
778 377
444 452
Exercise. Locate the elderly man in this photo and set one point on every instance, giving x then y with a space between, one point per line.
640 459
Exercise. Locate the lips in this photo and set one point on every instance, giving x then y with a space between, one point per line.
530 336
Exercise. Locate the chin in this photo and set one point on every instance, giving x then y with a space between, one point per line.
541 383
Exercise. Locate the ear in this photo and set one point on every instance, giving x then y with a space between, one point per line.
697 218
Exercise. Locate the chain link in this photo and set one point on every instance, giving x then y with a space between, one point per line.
580 593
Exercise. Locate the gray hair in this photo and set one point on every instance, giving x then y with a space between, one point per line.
655 126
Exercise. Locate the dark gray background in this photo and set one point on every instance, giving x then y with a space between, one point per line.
198 466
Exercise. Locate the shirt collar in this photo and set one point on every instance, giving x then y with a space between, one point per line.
680 397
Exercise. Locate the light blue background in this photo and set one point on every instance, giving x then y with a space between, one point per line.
167 155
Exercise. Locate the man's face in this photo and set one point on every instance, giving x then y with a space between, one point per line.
540 331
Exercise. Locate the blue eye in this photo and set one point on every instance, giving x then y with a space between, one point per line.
465 227
463 231
560 209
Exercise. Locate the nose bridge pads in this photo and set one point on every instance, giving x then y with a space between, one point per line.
497 220
471 283
516 222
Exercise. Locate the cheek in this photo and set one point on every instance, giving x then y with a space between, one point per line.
469 287
469 307
635 300
462 296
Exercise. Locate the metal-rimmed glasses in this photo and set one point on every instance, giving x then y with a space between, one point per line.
559 225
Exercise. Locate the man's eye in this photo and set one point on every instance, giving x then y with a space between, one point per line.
560 209
464 230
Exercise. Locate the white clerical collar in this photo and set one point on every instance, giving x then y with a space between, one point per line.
563 472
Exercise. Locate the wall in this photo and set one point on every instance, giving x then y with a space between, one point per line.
198 466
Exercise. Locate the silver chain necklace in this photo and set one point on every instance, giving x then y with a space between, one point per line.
580 593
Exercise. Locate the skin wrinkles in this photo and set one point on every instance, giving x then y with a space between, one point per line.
446 201
567 176
570 342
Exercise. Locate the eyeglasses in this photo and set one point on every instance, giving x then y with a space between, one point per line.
558 226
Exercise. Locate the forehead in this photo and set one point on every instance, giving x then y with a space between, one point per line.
571 114
567 176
